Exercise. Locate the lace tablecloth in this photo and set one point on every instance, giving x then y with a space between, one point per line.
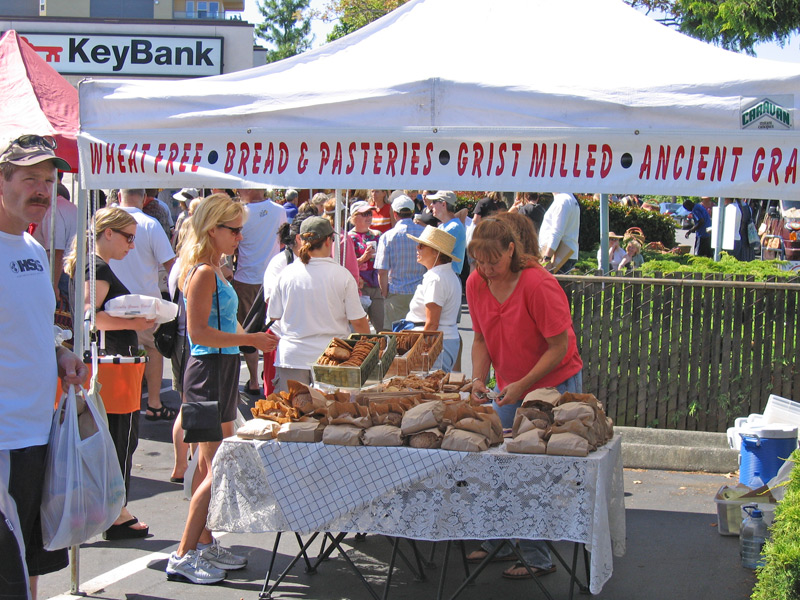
423 494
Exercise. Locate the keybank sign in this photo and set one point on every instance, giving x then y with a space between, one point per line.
150 55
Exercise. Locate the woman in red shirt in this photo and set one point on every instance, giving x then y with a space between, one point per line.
383 220
523 327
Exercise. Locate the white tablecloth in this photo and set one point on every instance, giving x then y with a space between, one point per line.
423 494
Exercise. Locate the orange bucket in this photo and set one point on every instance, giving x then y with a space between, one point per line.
121 381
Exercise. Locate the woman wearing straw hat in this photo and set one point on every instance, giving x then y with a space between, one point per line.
436 301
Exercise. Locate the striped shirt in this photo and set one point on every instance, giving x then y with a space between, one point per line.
397 253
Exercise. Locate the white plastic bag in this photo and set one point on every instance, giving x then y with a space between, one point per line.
83 486
138 305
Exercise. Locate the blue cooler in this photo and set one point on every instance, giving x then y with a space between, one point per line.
764 449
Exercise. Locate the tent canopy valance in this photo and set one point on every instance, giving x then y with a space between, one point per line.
584 95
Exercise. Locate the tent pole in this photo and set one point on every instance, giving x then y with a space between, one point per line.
718 222
77 339
604 233
338 256
51 243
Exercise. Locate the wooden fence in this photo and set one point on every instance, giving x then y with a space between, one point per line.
685 351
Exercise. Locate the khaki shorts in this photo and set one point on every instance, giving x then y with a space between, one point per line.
247 293
146 337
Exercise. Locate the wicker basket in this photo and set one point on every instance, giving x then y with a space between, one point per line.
348 377
385 359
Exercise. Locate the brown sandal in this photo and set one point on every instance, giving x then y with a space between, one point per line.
525 574
478 556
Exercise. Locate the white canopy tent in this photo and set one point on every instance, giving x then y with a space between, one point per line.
585 95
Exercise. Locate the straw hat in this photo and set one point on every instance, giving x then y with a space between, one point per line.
613 235
438 239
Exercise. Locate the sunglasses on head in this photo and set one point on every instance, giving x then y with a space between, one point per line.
128 236
33 141
233 230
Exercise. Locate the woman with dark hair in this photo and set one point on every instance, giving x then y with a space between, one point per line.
523 328
315 300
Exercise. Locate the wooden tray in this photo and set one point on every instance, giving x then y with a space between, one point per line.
384 359
417 358
347 377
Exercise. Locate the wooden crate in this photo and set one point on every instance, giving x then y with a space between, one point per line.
347 377
416 359
384 359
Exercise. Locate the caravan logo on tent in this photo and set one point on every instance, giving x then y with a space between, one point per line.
90 54
768 113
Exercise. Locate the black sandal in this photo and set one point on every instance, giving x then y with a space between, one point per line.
165 413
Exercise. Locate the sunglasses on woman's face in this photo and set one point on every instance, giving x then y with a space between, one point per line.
128 236
233 230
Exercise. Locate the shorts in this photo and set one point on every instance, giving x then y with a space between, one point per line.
247 293
213 377
25 483
146 338
179 357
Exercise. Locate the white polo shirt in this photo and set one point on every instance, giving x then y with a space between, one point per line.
315 303
139 269
259 240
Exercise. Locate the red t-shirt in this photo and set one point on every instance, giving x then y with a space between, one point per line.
382 218
515 330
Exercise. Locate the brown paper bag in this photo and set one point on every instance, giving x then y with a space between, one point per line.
529 442
382 435
567 444
549 395
342 435
423 416
258 429
310 431
349 413
462 440
428 439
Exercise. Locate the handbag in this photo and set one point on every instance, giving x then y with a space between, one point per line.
202 421
83 488
752 235
165 336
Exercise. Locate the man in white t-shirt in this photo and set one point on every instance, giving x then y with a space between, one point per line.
139 271
29 363
259 244
64 232
558 236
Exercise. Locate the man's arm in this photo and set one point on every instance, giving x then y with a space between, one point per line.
383 281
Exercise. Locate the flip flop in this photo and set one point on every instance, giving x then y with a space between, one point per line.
176 479
475 560
537 572
124 531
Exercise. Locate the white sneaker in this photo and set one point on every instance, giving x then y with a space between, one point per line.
222 558
193 568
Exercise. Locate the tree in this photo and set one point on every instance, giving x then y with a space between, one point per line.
354 14
733 24
284 27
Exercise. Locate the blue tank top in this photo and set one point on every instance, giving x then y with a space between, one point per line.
227 310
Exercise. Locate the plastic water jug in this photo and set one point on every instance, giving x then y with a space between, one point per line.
752 539
764 448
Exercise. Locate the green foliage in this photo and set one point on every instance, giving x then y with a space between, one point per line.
656 227
779 579
355 14
733 24
759 270
284 27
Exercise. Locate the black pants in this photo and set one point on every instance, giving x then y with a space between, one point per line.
702 246
124 431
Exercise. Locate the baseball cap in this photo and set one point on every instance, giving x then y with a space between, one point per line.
28 150
401 203
446 196
360 207
320 227
186 194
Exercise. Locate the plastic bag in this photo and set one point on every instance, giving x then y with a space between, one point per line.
83 487
138 305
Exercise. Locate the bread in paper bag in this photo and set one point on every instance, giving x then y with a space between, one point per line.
428 439
487 413
548 395
423 416
349 413
567 444
258 429
528 442
342 435
382 435
461 440
531 417
308 431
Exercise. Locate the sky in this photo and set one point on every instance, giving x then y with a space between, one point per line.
789 53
